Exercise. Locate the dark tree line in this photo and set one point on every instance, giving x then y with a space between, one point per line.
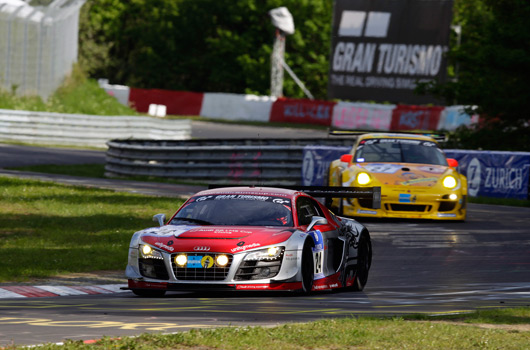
203 45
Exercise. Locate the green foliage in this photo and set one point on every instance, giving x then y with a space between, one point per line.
203 45
491 70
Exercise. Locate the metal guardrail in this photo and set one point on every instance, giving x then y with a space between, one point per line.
276 161
86 130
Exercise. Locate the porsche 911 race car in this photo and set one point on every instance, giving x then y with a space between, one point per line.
416 178
252 238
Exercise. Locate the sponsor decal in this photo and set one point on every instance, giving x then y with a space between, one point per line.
415 181
169 242
432 170
381 168
252 286
207 261
245 247
163 246
240 244
363 211
407 198
324 286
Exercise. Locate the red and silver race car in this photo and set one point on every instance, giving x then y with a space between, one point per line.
253 238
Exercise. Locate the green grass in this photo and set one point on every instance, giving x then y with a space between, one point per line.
98 171
332 334
77 95
48 229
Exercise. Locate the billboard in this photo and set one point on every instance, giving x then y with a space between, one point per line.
380 49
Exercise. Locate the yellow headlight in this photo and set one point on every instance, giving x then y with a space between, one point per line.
449 182
363 178
221 260
146 250
181 260
272 251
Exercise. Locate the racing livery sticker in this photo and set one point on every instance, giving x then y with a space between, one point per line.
318 253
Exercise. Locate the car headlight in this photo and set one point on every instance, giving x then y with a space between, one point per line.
148 252
449 182
363 178
272 253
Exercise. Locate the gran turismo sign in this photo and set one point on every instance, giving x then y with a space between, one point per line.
381 49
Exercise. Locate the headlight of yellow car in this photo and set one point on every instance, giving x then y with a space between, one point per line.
363 178
449 182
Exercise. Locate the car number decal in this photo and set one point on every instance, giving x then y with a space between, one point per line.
382 168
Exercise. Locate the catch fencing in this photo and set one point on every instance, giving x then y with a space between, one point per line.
38 45
86 130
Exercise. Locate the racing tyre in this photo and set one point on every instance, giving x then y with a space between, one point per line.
364 261
148 293
308 268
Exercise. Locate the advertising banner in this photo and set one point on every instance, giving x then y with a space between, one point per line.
455 116
316 163
285 110
380 49
176 102
415 118
494 174
362 116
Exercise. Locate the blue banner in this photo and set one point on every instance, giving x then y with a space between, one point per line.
494 173
316 163
489 173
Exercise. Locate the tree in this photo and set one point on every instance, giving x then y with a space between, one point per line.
203 45
491 70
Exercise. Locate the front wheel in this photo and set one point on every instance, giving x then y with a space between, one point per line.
149 293
364 261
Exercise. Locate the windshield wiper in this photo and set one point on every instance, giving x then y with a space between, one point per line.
198 221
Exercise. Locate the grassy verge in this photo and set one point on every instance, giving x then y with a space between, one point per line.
347 333
98 170
77 95
48 229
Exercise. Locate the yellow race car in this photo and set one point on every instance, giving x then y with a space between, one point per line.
416 178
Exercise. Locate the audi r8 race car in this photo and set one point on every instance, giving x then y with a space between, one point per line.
252 238
416 178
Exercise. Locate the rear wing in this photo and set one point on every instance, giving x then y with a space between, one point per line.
371 194
439 137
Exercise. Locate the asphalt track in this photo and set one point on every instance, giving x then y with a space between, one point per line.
418 267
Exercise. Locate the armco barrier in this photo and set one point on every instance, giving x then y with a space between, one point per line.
86 130
214 161
489 173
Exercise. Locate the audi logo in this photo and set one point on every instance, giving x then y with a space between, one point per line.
201 249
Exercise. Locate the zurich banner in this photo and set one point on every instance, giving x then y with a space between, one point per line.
493 173
489 173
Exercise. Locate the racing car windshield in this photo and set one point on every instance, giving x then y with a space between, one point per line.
237 210
399 151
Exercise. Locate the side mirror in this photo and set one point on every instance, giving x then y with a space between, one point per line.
453 163
346 158
160 218
316 220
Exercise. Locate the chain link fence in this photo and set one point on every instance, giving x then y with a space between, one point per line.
38 45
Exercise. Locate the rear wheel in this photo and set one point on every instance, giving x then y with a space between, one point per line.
364 261
308 268
149 293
